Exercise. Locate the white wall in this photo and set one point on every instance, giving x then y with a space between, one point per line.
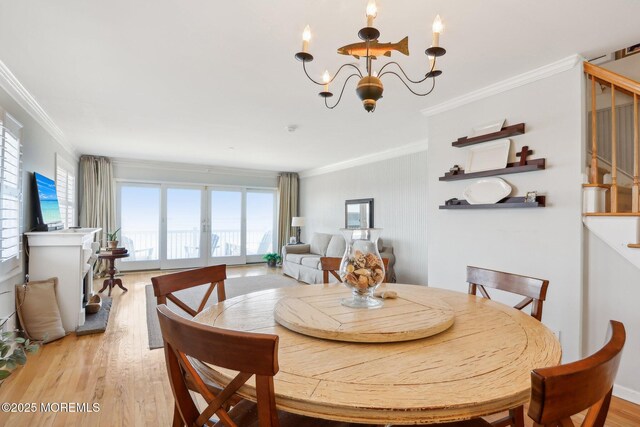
612 292
399 189
39 153
543 242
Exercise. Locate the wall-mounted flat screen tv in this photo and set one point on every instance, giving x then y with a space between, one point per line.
46 202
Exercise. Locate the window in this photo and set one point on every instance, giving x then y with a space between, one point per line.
10 193
66 189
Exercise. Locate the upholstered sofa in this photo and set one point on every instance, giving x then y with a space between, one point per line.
302 262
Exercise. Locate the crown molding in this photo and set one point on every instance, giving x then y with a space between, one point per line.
511 83
192 168
416 147
10 83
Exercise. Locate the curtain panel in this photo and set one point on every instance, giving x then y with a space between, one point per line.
288 207
97 197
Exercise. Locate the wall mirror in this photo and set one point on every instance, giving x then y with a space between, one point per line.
358 213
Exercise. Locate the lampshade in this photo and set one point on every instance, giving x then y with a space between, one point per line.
297 221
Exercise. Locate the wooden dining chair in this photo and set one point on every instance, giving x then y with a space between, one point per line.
164 286
534 290
249 354
559 392
331 265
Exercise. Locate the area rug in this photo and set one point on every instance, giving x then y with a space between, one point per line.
193 296
96 323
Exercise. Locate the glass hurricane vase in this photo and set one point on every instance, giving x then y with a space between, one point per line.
362 269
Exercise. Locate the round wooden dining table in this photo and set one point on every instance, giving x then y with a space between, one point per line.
478 366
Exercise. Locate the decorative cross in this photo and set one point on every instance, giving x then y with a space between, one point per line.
523 155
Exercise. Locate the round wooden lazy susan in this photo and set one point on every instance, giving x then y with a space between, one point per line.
411 316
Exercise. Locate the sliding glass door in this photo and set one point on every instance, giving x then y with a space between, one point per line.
168 226
184 228
139 208
227 235
261 223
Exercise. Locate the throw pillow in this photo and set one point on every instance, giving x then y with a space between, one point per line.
319 243
38 310
336 246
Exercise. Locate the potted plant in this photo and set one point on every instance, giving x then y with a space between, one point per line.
13 349
112 239
272 259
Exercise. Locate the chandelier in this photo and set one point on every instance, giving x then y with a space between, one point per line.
369 88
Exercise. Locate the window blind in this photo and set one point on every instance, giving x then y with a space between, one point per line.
10 192
66 189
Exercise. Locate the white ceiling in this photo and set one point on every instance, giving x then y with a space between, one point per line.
211 82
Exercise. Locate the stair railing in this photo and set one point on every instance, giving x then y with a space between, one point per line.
632 88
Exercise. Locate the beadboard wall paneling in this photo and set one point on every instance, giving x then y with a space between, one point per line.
399 189
624 127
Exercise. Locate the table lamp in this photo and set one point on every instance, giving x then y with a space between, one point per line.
297 221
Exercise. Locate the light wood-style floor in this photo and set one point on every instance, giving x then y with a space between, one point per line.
119 372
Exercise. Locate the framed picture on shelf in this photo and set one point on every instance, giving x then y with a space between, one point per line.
358 213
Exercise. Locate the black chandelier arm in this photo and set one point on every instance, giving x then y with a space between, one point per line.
341 92
380 73
405 83
304 67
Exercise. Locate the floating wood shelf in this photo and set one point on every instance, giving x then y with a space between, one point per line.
532 165
507 203
505 132
634 245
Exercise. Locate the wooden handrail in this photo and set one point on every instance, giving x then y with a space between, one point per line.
608 77
631 87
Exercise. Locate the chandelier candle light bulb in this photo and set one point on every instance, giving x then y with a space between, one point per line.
326 78
438 27
306 37
372 11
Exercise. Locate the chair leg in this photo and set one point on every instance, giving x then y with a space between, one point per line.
177 419
514 419
517 416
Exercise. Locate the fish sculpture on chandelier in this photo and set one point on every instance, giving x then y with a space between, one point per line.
375 49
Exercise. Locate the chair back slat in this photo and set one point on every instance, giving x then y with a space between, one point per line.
332 265
247 353
164 286
180 304
534 290
561 391
216 404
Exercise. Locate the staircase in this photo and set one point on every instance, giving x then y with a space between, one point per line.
612 211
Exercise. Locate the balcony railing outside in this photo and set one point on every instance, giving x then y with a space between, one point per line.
185 244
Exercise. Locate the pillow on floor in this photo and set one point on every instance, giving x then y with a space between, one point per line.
38 310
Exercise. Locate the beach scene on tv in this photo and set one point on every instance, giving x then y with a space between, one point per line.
48 199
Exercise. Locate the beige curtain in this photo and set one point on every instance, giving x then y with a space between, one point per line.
288 196
97 197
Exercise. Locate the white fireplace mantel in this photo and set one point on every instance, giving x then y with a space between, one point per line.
64 254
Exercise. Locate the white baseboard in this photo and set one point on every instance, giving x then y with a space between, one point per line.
625 393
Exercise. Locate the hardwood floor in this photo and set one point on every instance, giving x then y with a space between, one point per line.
119 372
